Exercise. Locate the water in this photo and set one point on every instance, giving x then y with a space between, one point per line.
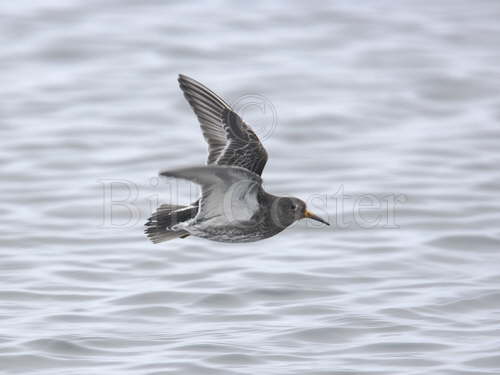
393 103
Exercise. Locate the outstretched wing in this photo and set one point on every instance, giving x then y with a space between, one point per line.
230 140
227 193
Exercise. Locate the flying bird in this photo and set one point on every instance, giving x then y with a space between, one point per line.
233 206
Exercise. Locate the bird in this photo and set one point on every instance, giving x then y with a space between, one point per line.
233 206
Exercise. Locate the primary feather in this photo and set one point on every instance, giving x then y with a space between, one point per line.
230 140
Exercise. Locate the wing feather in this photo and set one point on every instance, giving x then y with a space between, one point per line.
227 193
230 140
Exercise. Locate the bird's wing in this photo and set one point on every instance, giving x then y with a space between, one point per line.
228 193
230 140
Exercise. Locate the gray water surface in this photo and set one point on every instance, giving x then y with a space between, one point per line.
395 104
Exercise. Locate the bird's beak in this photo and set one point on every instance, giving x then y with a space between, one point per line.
310 215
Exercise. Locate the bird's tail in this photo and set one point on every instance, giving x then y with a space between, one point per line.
166 216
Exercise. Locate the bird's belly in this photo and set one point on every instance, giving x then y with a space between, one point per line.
240 233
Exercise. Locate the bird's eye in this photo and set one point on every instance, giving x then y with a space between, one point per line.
293 207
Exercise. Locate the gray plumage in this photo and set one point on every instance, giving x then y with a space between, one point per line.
233 206
230 140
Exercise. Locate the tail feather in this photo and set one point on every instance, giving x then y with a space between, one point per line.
167 215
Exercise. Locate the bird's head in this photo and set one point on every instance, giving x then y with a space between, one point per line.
291 209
